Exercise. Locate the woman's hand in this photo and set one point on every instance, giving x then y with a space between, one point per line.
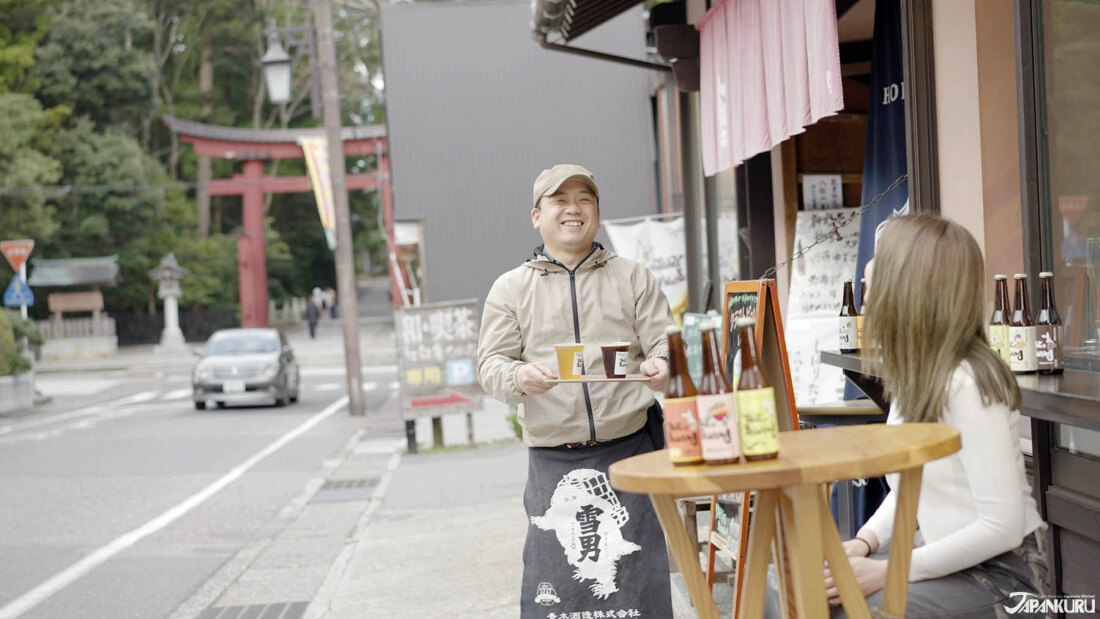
857 547
657 371
870 574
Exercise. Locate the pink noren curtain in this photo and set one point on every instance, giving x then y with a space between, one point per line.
769 68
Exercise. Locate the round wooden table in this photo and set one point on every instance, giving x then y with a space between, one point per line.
791 489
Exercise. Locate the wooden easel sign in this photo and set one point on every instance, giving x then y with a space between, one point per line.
756 299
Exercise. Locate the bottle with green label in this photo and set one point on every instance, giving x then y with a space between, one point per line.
755 401
998 322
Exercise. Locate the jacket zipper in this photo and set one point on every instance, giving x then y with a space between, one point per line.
577 335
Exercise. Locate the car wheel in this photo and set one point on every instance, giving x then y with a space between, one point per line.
200 405
297 388
221 404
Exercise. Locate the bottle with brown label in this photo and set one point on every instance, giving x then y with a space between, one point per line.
718 427
848 320
1021 331
755 401
862 312
998 322
681 419
1048 330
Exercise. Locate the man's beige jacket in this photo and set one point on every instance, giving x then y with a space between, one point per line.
541 303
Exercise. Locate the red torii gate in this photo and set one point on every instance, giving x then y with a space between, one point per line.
255 146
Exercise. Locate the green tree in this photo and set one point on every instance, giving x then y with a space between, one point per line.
22 25
24 167
108 215
89 62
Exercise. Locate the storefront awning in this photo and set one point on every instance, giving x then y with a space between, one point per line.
768 69
569 19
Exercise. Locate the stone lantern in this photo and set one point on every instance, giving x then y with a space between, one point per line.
169 273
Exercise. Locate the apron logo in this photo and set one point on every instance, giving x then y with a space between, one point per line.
587 518
546 596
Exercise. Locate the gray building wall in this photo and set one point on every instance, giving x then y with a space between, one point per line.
476 109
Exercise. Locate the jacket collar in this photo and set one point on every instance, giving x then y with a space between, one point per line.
594 260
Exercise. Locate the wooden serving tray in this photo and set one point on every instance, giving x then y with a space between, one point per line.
599 378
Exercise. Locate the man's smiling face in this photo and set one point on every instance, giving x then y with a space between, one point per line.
568 219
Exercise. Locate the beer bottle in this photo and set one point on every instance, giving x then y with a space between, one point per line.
998 322
681 419
1021 331
862 312
1048 332
718 427
848 319
755 401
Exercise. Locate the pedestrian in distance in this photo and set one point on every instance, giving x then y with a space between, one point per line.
977 553
588 547
313 314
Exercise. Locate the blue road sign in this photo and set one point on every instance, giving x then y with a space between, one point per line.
18 293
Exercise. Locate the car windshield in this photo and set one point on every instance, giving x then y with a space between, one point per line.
242 343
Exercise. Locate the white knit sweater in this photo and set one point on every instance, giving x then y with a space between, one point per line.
974 504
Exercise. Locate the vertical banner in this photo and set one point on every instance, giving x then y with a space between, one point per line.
660 246
315 150
884 159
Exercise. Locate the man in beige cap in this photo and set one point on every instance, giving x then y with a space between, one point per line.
588 548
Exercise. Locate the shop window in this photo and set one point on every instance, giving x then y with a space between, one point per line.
1069 103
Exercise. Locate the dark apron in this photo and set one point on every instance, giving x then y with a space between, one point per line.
590 550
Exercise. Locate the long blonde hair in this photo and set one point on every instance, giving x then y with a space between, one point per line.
925 317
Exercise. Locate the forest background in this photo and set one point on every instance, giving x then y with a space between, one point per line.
88 168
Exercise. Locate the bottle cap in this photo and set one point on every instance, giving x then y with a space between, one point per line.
709 325
745 321
862 280
712 312
848 281
669 330
999 276
1020 276
1046 274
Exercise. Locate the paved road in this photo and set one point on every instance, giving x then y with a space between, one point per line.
123 504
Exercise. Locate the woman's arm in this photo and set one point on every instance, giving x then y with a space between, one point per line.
989 459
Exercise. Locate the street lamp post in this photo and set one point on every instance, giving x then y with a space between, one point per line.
277 65
277 74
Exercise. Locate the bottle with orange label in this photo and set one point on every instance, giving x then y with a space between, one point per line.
755 401
681 417
718 427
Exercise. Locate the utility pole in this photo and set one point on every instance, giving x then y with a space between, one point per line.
345 263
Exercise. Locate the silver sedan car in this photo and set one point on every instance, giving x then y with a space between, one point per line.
245 366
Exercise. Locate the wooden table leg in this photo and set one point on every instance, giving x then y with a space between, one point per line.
901 551
855 605
761 532
807 560
686 553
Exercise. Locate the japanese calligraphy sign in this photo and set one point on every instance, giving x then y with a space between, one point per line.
817 284
437 352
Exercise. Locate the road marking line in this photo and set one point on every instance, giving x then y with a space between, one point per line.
42 421
370 386
71 574
395 385
137 398
327 387
339 371
178 394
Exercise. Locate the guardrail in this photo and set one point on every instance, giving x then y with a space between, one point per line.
76 327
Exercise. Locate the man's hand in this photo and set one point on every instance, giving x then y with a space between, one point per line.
657 371
870 574
531 378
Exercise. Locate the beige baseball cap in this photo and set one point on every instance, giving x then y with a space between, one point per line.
549 180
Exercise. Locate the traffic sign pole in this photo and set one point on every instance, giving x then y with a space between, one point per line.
23 276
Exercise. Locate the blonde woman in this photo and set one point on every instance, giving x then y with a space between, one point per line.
977 541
